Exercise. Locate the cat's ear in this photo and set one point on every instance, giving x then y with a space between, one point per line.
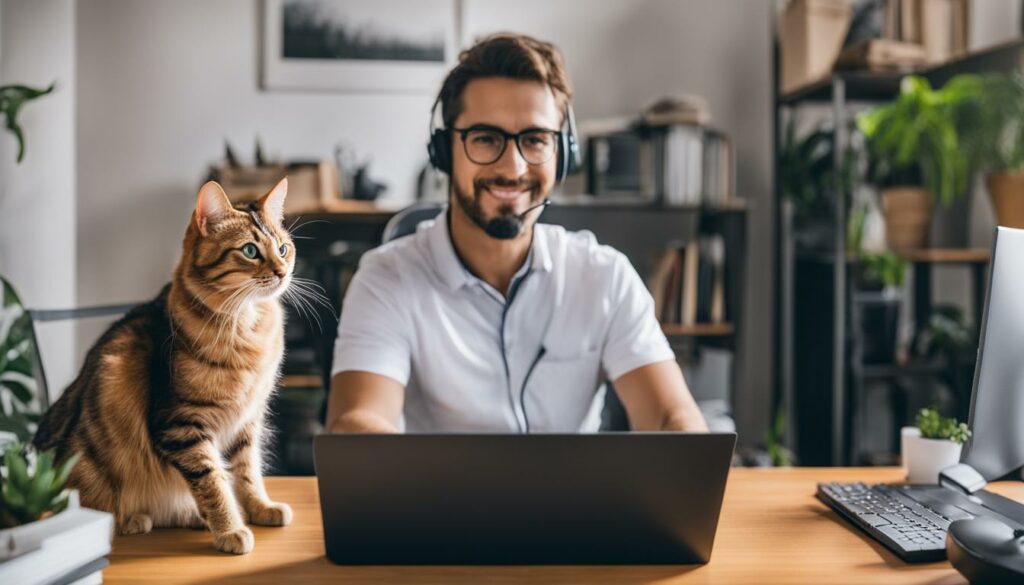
212 206
273 203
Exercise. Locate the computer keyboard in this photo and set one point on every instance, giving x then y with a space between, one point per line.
913 531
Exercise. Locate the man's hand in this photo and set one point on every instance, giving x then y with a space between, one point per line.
361 402
656 399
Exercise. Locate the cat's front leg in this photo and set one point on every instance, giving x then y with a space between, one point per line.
245 459
198 461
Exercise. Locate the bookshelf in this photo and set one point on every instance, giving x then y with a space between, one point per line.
820 377
642 231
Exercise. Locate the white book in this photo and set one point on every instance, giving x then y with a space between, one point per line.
48 549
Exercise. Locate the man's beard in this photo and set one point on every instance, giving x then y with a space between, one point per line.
508 224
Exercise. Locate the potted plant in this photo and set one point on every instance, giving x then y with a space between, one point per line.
914 156
883 273
933 444
807 178
994 121
45 536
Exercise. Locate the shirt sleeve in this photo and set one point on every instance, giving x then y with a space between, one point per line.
373 332
634 337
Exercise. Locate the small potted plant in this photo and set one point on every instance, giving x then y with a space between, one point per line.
932 445
809 182
914 156
885 274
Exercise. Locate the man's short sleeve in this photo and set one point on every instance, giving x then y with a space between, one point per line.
635 337
373 332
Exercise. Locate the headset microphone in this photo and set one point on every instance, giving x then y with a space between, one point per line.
545 203
509 227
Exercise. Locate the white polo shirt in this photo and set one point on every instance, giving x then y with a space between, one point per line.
577 313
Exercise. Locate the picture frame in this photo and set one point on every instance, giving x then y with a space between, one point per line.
391 46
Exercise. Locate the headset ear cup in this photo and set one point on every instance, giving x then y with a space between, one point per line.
440 151
562 169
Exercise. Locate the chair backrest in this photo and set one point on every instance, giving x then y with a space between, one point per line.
404 222
24 394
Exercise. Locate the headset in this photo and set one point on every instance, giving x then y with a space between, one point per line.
440 146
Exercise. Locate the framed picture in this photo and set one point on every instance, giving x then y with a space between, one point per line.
358 45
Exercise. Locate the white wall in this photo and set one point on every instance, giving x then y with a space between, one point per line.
37 197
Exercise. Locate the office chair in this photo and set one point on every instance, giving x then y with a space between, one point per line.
23 377
404 222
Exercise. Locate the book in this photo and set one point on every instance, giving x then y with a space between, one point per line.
716 258
46 550
660 277
88 574
688 294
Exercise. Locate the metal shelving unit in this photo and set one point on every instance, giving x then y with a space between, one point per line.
818 380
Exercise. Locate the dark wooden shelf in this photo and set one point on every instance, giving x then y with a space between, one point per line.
735 205
948 256
300 381
698 330
922 256
872 86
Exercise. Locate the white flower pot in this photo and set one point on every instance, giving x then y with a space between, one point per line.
925 458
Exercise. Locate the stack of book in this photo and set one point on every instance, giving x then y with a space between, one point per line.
688 282
67 548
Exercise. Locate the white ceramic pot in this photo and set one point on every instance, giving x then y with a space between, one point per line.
925 458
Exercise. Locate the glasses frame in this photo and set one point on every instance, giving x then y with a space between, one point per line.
506 136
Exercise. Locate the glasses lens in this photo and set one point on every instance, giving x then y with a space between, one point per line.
537 147
484 146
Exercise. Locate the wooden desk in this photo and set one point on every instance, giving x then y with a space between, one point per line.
772 530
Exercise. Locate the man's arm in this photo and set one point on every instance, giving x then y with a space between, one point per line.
657 399
361 402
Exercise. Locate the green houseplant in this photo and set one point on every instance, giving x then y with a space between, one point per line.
20 407
994 124
879 320
934 443
914 155
32 486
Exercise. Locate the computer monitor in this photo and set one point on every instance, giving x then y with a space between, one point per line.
996 446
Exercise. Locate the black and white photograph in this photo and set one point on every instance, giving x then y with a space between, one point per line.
357 45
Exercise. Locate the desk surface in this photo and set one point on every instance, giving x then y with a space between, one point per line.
772 530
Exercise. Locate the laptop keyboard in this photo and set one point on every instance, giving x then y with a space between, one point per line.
913 531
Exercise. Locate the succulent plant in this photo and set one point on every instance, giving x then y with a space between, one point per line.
32 490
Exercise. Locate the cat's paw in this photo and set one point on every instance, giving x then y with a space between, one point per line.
271 514
135 524
236 542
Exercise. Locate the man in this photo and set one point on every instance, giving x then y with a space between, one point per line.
484 321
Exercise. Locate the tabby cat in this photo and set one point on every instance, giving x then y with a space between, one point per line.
168 410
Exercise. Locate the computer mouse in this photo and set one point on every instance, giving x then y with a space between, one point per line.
986 551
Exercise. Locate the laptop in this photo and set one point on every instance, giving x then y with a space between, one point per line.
609 498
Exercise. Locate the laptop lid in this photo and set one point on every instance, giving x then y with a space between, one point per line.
609 498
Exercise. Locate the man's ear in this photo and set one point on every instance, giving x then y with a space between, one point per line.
212 206
273 203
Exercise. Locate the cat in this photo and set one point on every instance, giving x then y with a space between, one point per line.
168 409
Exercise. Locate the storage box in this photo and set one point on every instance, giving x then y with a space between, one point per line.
811 34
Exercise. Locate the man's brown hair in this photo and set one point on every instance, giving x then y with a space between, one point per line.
505 55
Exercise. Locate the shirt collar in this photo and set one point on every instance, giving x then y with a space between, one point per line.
450 268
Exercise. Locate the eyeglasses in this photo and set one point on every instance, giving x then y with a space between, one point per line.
485 144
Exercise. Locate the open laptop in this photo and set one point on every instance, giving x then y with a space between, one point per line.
610 498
